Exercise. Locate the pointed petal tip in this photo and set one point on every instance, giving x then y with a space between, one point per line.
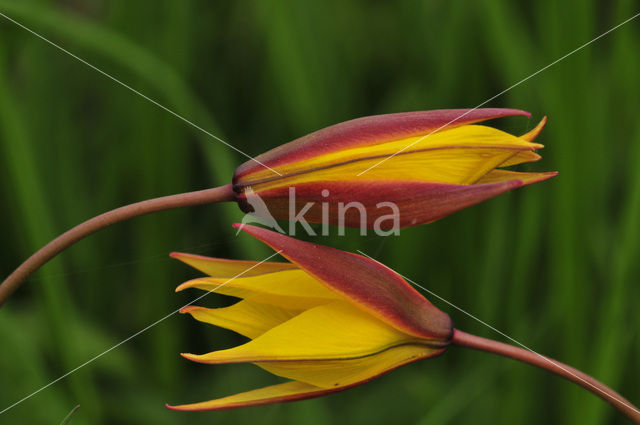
484 114
183 286
531 135
189 356
527 179
193 283
541 177
519 112
195 407
257 232
202 358
185 257
186 407
189 309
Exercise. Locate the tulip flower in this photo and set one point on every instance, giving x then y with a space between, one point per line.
382 172
329 320
390 171
326 325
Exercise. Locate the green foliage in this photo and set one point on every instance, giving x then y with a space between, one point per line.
553 265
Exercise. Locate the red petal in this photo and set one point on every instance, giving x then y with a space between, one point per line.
417 202
369 284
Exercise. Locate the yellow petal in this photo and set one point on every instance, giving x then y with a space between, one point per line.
449 156
337 330
332 376
248 318
520 158
288 391
453 166
468 136
338 373
223 268
505 175
289 288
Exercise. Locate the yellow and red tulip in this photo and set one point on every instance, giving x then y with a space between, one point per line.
327 320
381 172
455 166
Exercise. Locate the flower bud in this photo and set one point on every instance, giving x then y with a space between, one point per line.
389 171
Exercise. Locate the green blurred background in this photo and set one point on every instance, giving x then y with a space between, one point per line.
554 265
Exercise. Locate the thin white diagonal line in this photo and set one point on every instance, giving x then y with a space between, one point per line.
95 68
560 366
135 334
502 92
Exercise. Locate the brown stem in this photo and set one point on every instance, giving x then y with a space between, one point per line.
65 240
574 375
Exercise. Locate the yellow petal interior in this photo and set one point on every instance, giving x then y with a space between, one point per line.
223 268
289 288
247 317
454 166
337 330
521 157
338 373
457 155
496 176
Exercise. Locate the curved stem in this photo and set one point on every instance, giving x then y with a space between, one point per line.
574 375
65 240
